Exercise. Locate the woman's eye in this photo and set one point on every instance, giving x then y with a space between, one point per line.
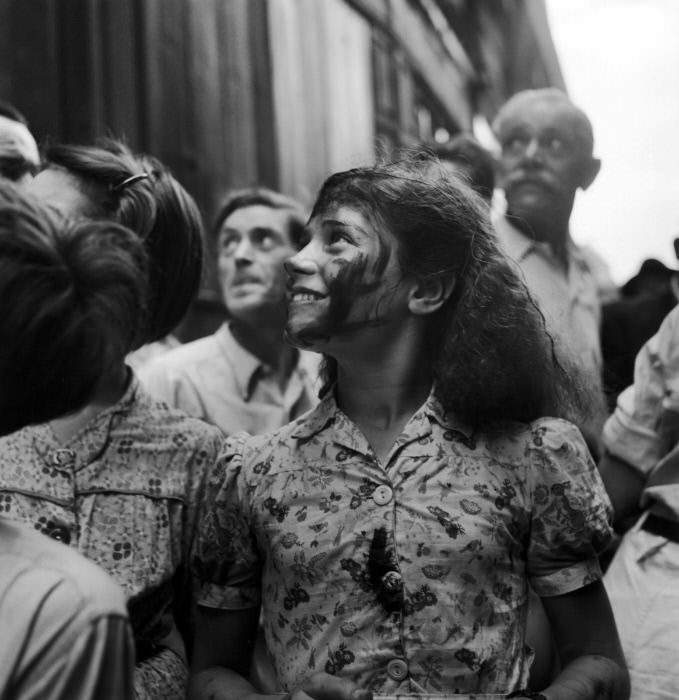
338 236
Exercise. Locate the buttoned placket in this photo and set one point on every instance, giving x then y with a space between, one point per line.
63 461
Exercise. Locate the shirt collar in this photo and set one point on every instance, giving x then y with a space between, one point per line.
247 367
92 440
519 246
245 364
327 411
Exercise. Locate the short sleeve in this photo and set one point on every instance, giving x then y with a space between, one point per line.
226 560
71 649
570 510
634 433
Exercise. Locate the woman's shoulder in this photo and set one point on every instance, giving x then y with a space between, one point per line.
545 434
163 421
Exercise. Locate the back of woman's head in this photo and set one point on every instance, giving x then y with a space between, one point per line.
72 304
139 192
491 356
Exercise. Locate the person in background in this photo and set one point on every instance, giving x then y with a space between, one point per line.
120 479
466 156
19 156
65 633
546 156
390 534
640 469
633 319
244 376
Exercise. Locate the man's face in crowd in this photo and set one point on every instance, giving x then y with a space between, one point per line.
546 155
252 245
17 145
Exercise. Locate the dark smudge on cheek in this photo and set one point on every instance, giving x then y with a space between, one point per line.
348 285
382 259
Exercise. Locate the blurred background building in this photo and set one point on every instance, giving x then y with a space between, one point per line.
277 92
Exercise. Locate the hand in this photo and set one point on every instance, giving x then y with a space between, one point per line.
324 686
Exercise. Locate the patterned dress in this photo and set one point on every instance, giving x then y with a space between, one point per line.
409 576
124 492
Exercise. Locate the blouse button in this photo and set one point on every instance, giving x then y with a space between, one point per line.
397 669
63 457
392 581
382 495
61 534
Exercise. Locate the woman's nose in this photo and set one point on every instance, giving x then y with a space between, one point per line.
300 264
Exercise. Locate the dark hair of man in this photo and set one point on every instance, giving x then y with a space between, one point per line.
72 302
11 112
157 208
474 160
251 196
491 356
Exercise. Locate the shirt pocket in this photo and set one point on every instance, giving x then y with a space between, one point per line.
135 532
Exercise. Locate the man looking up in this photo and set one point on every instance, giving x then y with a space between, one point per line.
19 157
547 155
244 376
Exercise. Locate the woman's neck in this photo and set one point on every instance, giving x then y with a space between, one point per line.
107 393
381 394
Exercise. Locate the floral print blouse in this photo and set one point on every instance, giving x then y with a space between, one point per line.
124 492
409 576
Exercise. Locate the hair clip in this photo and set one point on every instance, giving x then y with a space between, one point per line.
128 181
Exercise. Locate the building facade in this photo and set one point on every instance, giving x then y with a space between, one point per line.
281 93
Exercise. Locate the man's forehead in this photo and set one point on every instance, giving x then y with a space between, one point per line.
258 216
545 112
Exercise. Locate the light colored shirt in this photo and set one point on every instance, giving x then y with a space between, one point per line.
644 428
567 298
65 634
217 380
124 492
407 577
148 352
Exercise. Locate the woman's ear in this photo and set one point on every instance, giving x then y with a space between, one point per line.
428 296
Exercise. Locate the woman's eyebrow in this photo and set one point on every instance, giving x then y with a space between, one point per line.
345 224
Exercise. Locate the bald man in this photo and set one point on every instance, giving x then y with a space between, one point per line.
547 156
19 156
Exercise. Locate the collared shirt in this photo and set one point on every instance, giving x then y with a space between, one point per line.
644 428
148 352
124 491
217 380
63 621
567 298
410 576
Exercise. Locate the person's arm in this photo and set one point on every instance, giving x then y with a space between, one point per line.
162 676
624 485
91 661
222 655
593 665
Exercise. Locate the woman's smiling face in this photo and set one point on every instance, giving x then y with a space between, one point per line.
347 278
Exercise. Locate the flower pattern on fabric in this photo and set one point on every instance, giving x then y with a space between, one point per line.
425 559
124 492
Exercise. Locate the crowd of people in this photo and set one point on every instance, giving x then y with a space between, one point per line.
398 468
